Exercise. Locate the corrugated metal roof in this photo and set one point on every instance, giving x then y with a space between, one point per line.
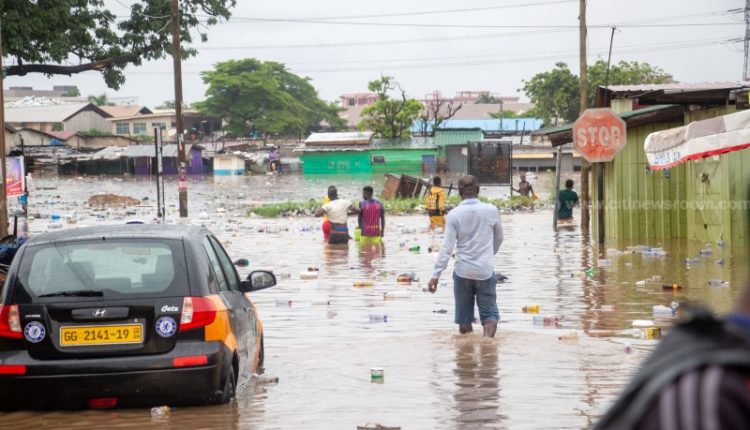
457 137
134 151
673 87
347 137
624 115
508 124
407 144
54 113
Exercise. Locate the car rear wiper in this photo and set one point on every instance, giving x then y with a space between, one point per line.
75 293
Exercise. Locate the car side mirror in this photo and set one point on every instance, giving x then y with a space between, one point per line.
259 280
242 262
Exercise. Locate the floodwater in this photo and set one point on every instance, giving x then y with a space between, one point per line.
323 354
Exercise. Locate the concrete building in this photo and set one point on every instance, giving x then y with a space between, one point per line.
357 99
196 124
62 117
228 165
56 91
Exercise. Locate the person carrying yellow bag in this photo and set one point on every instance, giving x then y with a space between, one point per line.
435 204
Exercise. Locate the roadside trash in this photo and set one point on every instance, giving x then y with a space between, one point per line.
604 262
369 426
440 311
590 272
264 379
323 301
692 261
706 251
500 278
283 302
313 269
377 374
721 243
308 275
660 310
673 287
378 316
614 252
718 283
654 252
414 249
720 261
570 337
642 323
607 308
331 314
530 309
160 411
651 333
406 278
546 320
628 348
393 295
363 284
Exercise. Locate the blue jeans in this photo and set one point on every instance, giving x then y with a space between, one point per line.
465 290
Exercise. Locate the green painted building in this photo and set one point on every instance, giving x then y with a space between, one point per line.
697 200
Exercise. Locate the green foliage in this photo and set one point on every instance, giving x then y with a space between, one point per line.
100 100
556 93
487 99
42 35
168 104
58 126
73 92
389 117
144 138
254 96
509 114
92 132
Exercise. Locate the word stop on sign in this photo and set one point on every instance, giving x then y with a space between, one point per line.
599 136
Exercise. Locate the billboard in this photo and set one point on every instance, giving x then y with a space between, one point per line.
15 178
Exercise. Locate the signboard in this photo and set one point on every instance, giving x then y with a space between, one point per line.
491 162
599 135
15 178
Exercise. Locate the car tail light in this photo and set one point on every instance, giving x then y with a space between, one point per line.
197 312
103 403
12 369
193 360
10 322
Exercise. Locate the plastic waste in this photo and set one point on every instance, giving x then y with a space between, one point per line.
323 301
378 317
440 311
654 252
692 261
720 261
283 302
627 348
377 374
604 262
661 310
673 287
530 309
718 283
590 272
159 411
614 252
607 308
265 379
642 323
706 252
651 332
363 284
406 278
641 283
570 337
313 269
394 295
656 278
308 275
546 320
414 249
500 278
721 243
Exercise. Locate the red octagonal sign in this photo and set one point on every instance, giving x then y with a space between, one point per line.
599 135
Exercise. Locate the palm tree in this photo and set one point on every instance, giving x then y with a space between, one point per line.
100 100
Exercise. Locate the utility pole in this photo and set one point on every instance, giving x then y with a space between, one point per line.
585 168
177 61
747 42
3 201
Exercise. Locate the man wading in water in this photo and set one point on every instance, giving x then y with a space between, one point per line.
474 229
337 210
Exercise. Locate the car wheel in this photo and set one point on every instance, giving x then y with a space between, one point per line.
229 386
261 354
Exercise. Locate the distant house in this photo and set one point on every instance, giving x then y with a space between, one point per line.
142 158
358 99
61 117
195 124
125 111
29 137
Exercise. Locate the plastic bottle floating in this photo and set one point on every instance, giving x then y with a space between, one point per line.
672 287
530 309
363 284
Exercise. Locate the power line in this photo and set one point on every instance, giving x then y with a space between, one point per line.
130 8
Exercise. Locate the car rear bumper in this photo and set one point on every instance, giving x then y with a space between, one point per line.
136 381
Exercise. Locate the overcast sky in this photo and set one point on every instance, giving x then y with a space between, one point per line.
436 51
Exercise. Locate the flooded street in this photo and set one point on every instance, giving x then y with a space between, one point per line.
323 336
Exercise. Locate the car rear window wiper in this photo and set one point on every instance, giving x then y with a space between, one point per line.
75 293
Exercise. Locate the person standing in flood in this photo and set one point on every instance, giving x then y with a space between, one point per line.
474 229
435 204
371 218
337 210
326 226
568 199
524 187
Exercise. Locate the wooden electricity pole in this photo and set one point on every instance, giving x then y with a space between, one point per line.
177 64
3 201
585 167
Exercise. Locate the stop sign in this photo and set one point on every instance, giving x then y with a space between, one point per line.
599 135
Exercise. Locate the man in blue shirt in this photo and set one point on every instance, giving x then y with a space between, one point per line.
474 229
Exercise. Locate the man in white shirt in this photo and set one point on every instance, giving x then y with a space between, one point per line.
337 210
474 229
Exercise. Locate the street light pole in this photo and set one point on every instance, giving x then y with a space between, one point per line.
177 64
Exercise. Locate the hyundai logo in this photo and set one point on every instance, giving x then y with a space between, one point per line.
100 313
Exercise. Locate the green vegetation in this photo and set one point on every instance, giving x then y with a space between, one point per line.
390 117
392 207
92 132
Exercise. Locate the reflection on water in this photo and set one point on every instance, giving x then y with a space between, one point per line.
323 354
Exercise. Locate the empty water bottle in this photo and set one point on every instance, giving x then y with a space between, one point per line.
159 411
378 317
718 283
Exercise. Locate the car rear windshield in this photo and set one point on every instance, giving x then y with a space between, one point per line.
104 268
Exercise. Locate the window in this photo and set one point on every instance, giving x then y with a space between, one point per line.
139 128
216 265
352 102
378 159
122 128
160 125
114 267
226 263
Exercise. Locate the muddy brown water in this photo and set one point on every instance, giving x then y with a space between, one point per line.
323 354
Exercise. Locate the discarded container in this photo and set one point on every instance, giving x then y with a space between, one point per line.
660 310
394 295
265 379
313 269
308 275
706 252
363 284
377 374
604 262
407 278
546 320
440 311
651 332
627 347
721 243
160 411
673 287
530 309
570 337
692 261
283 302
325 301
607 308
718 283
414 249
720 261
642 323
641 283
378 316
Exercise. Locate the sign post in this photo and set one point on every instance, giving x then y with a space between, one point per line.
599 135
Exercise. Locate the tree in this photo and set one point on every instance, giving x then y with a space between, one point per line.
73 92
40 36
487 99
436 112
166 105
390 117
252 96
509 114
100 100
556 93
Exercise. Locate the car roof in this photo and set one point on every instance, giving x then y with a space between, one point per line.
150 231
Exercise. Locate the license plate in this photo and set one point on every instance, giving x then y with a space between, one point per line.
101 335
